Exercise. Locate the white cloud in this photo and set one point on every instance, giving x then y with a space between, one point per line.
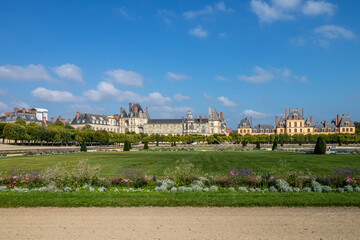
221 78
20 104
333 31
226 102
30 72
218 7
198 32
286 75
54 96
4 107
174 76
166 15
70 72
178 97
270 11
106 91
286 4
127 78
318 7
267 13
254 114
260 75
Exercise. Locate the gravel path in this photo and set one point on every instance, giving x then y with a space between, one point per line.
180 223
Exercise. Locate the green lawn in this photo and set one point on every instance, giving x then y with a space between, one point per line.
111 199
211 162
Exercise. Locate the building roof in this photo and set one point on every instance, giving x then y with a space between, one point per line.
330 127
90 118
259 127
164 121
244 121
344 119
293 113
12 117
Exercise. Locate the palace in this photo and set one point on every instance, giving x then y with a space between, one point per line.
137 120
295 123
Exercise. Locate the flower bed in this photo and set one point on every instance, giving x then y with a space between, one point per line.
183 178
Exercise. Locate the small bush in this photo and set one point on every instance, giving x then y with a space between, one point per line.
320 147
83 147
258 145
146 146
127 146
274 146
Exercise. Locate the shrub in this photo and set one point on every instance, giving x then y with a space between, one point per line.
183 174
306 189
326 189
127 146
242 189
348 188
146 146
272 189
274 146
320 147
258 145
83 147
214 188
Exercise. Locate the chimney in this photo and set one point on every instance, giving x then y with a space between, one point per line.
59 118
200 118
147 111
251 122
221 114
44 120
298 109
121 110
276 121
303 113
77 115
209 112
53 120
7 113
205 117
63 120
325 124
290 111
337 120
117 117
130 107
69 120
16 110
286 114
136 110
2 114
23 110
312 120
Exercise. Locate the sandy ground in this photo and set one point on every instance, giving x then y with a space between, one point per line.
180 223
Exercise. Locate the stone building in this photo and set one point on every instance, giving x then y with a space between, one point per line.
137 120
28 116
294 123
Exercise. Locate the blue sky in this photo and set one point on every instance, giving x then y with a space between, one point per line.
245 58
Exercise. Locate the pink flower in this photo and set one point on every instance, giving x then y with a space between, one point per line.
232 173
14 177
21 181
14 182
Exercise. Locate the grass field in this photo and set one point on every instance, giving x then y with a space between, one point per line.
210 162
111 199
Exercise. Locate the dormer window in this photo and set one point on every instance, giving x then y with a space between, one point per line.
262 130
347 124
295 116
329 129
323 129
267 130
254 130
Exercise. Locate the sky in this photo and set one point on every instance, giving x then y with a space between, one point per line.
245 58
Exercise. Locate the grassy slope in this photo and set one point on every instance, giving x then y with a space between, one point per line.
210 162
86 199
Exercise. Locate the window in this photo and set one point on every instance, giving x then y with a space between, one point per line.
300 129
240 131
300 124
351 129
262 131
254 130
295 130
267 130
347 124
323 129
347 130
343 129
314 129
329 129
289 130
281 130
295 124
289 124
308 129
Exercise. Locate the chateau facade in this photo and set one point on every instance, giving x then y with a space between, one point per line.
137 120
295 123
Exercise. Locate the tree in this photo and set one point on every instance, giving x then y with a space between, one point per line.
146 146
274 146
83 147
320 147
2 126
127 146
258 145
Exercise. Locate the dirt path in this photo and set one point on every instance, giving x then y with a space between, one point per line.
180 223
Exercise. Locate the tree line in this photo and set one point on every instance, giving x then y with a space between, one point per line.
60 134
